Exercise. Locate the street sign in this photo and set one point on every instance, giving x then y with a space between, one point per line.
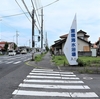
70 47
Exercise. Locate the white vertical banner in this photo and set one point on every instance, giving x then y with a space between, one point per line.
70 47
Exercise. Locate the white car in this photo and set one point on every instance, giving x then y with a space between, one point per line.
24 51
11 53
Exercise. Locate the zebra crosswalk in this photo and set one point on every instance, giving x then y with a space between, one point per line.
49 83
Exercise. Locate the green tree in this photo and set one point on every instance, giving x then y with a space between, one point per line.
15 46
47 49
6 46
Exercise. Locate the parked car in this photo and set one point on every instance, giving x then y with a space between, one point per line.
11 53
17 52
24 51
1 53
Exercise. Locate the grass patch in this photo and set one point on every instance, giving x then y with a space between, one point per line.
83 61
86 64
90 61
59 60
39 57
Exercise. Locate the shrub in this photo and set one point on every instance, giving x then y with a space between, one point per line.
80 62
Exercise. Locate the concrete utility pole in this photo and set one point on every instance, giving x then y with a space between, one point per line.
33 42
42 28
17 37
33 22
29 43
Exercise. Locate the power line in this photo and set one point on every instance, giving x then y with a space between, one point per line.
27 8
16 15
35 13
32 4
23 10
7 24
13 15
47 5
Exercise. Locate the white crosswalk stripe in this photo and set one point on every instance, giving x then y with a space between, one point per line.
10 62
53 81
46 82
17 62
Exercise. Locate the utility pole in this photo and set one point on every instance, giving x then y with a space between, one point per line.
29 43
33 22
33 42
46 42
17 38
42 28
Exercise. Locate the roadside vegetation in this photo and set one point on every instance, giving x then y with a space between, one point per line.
39 57
60 60
86 64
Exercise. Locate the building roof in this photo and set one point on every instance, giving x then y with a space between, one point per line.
81 31
97 42
64 40
59 43
2 42
85 34
64 36
84 40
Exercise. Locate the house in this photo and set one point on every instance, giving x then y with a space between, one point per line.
96 46
2 44
82 40
10 45
21 48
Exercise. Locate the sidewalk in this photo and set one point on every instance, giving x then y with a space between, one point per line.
45 63
48 64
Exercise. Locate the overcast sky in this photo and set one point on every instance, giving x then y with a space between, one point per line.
58 18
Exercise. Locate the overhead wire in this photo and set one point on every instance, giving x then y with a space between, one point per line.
7 24
13 15
27 8
48 4
35 13
22 10
29 11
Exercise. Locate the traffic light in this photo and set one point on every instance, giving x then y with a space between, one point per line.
38 38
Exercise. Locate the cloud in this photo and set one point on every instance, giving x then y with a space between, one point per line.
57 18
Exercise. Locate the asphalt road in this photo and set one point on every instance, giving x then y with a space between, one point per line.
12 71
49 82
18 81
